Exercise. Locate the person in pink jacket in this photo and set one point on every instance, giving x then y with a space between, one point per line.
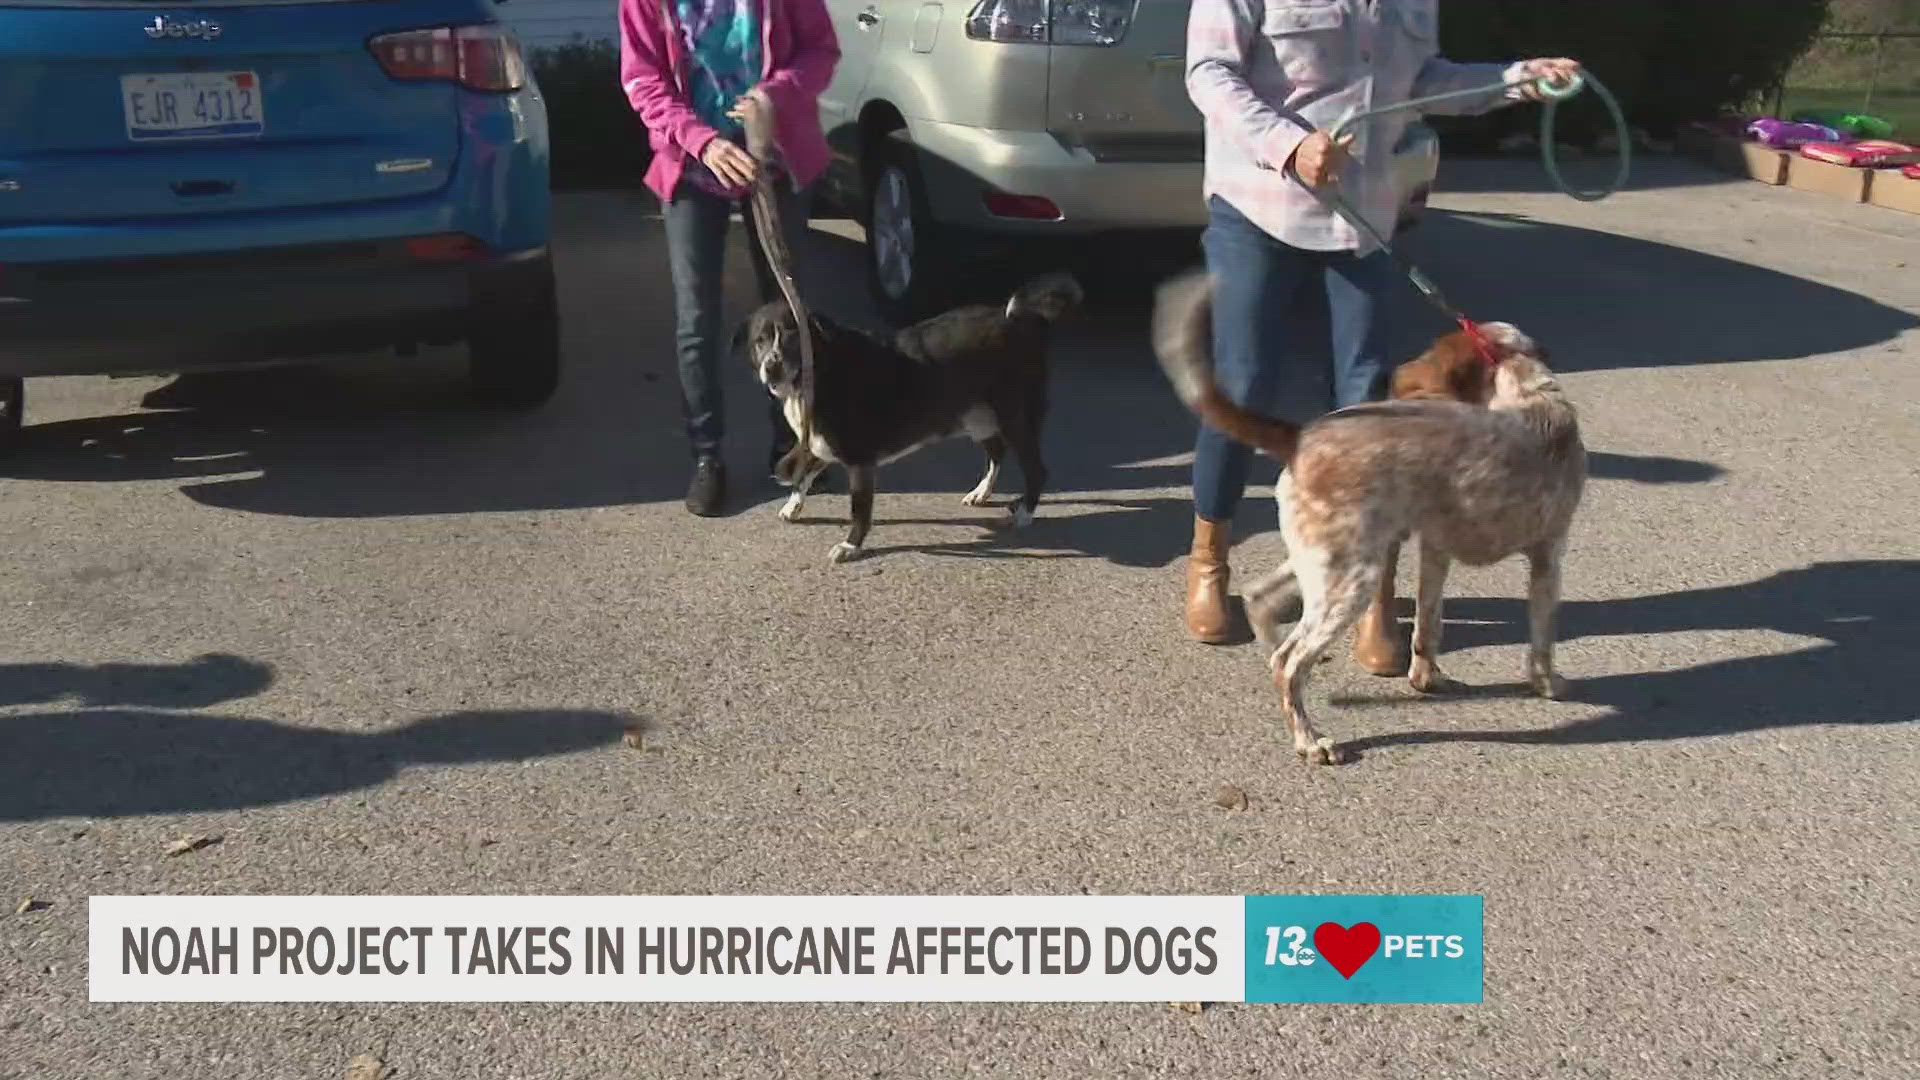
692 69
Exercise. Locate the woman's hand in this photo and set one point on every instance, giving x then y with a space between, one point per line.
1318 159
748 108
1555 69
730 163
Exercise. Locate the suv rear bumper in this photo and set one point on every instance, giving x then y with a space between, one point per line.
961 165
182 313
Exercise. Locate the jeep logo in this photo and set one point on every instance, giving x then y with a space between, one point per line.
163 27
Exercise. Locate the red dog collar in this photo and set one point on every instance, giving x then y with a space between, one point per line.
1480 342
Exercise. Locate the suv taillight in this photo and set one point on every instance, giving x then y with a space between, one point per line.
1051 22
477 57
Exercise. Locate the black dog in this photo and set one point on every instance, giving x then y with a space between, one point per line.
980 371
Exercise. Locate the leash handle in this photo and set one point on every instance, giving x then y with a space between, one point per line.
1551 89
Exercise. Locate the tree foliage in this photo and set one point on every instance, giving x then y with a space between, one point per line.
1668 61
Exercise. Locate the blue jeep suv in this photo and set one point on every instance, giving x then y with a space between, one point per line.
217 183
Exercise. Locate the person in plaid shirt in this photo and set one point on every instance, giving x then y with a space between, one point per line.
1271 79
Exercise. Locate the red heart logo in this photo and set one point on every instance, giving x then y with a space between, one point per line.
1347 948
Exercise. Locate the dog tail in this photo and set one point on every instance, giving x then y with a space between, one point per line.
1183 343
1048 296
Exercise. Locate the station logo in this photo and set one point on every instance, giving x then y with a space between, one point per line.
1364 948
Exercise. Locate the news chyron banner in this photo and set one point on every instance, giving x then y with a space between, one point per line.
785 948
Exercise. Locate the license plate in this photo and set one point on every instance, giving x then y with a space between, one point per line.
193 105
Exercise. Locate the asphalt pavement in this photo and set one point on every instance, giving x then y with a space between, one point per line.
378 642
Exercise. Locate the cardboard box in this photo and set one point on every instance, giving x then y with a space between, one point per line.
1826 178
1729 152
1894 191
1757 161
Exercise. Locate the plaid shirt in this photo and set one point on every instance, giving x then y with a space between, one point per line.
1267 73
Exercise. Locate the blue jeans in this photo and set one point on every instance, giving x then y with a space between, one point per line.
696 225
1258 355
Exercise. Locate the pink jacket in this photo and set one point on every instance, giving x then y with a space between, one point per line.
800 51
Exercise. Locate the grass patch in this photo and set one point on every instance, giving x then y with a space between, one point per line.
1901 108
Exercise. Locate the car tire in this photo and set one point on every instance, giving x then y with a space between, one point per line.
908 263
513 357
13 409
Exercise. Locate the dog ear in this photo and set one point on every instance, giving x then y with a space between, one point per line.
1417 378
1468 377
1427 376
1450 370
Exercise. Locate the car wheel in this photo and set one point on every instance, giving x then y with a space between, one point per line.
906 262
513 357
13 409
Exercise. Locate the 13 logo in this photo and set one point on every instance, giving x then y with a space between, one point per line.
1297 955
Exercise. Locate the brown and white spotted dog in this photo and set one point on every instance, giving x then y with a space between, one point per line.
1475 483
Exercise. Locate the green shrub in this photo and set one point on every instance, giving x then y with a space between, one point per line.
1668 61
597 140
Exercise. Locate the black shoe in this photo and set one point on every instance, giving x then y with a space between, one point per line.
708 489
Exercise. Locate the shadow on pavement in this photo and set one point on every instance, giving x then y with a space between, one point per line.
123 762
390 438
1867 612
1607 302
1151 531
1524 172
205 681
1650 468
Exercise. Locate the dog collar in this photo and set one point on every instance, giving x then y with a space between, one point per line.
1480 342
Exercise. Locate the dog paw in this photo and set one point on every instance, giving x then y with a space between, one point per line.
1548 685
1427 679
1019 517
843 552
1322 752
790 511
977 498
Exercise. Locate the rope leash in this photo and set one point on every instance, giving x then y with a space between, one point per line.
1554 93
773 243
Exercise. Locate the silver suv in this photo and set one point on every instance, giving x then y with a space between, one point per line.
953 121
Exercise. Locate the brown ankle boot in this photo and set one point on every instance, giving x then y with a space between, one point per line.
1376 639
1207 611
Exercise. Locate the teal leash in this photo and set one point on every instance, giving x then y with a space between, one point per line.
1555 93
